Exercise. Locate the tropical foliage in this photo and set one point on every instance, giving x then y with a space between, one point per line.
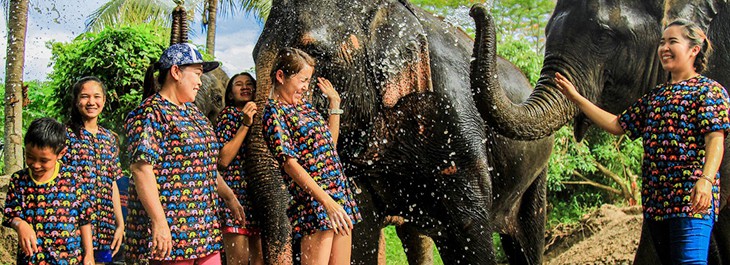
37 105
158 12
117 56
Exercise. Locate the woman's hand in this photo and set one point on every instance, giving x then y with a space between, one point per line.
236 209
701 196
566 87
161 240
329 91
26 237
89 259
338 218
249 111
118 238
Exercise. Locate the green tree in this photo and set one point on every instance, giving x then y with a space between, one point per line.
17 18
158 12
37 104
117 56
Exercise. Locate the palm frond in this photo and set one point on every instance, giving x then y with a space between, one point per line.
125 12
261 8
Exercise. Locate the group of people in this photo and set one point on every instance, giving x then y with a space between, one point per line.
188 199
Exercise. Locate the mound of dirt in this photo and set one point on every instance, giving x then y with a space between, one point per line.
609 235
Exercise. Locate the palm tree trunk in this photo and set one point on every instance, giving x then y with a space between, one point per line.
17 25
212 16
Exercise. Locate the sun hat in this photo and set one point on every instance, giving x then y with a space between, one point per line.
184 54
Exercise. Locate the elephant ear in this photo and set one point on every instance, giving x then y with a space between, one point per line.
398 52
655 8
698 11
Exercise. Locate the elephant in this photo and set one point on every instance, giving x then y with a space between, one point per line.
411 137
210 100
608 49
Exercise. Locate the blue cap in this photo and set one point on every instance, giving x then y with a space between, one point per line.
184 54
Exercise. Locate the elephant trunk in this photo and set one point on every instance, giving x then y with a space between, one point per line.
544 112
266 185
269 195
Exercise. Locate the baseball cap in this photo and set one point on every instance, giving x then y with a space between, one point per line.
184 54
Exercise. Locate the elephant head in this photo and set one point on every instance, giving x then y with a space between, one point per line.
607 48
377 48
210 100
403 78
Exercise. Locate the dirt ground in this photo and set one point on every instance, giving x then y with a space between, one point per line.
609 235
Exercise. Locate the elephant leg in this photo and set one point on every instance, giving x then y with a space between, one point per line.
418 247
366 234
467 237
720 245
527 245
646 254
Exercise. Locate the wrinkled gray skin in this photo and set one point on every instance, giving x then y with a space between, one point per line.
608 49
210 99
411 136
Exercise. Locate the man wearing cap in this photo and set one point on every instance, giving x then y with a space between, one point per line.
173 150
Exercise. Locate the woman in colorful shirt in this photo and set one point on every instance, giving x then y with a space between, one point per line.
94 152
234 121
683 124
322 210
173 194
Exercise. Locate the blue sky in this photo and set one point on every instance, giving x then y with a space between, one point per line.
63 20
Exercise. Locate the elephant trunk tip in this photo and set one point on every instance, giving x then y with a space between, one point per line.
478 10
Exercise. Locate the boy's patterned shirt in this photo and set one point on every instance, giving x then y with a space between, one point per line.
182 148
672 121
55 210
96 158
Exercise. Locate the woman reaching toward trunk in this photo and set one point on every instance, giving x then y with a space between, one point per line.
682 124
323 210
241 240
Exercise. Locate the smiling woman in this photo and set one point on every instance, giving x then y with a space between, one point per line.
155 130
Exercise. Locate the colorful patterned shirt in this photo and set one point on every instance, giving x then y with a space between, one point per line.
298 131
229 121
55 209
672 120
96 157
182 148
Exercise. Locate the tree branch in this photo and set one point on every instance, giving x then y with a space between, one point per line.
594 184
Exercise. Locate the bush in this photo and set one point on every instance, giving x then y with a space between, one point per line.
117 56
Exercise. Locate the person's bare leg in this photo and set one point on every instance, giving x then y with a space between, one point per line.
236 247
341 250
255 253
316 248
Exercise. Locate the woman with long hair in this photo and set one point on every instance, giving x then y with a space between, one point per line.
682 123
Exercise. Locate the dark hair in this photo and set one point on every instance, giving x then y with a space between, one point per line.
150 85
696 37
290 61
76 121
229 87
46 132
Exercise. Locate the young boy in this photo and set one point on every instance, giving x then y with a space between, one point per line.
46 205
